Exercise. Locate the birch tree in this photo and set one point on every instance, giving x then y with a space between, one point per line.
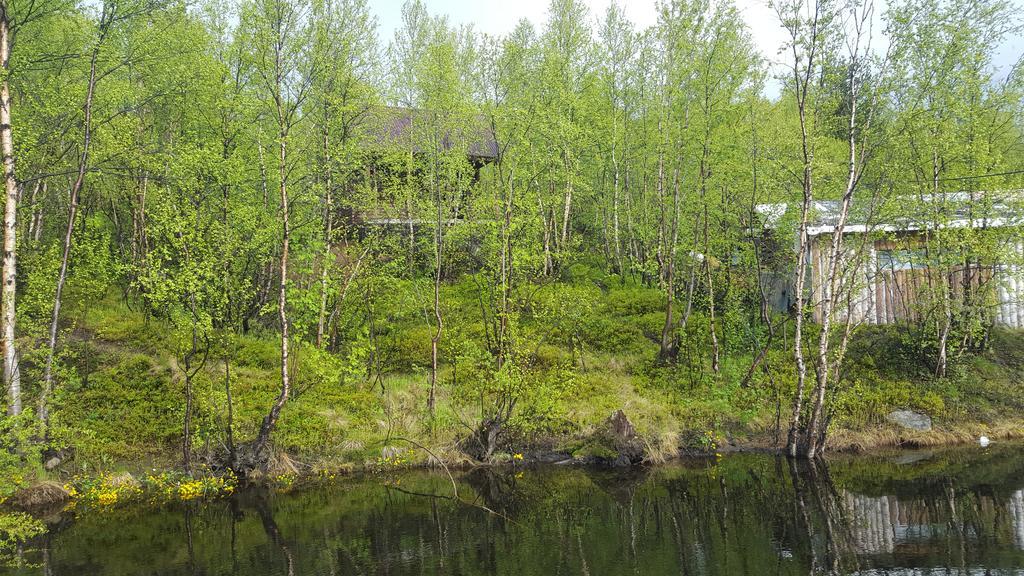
818 32
953 136
11 374
285 62
113 14
807 25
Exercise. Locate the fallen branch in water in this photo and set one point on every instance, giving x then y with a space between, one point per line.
455 488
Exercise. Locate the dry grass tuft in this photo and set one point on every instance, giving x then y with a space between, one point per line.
662 448
46 493
282 464
843 440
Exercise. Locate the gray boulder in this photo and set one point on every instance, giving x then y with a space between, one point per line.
910 420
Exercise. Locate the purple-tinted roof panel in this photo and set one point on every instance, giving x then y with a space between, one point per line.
397 125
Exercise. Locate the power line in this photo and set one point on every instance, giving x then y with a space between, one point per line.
978 176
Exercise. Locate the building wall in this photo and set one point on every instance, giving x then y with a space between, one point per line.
891 282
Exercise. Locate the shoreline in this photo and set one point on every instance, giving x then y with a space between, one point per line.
166 485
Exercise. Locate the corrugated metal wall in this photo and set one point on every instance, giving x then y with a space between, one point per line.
889 286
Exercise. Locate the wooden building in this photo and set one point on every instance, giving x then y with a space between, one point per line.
903 257
397 139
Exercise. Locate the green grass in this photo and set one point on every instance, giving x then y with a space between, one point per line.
586 350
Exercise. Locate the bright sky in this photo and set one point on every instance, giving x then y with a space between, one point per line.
499 17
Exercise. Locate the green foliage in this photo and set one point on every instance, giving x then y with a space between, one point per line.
129 407
16 528
545 205
19 454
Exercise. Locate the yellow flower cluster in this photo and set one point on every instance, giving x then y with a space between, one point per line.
396 460
104 490
190 490
326 475
108 490
107 498
284 480
710 441
184 488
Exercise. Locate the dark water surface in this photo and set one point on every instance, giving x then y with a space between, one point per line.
952 512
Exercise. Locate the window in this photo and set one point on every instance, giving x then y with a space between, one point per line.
901 260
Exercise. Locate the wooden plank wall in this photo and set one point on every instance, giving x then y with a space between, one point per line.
884 295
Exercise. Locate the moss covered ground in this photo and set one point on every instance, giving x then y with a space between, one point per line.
586 349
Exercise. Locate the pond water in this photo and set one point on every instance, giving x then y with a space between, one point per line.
910 513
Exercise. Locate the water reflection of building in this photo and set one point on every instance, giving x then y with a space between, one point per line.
1016 507
922 528
873 522
882 524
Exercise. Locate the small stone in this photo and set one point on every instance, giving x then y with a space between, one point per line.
124 480
910 420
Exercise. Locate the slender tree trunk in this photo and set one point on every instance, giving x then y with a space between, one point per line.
230 425
567 207
28 230
328 237
549 266
802 79
617 248
229 320
832 285
947 324
76 189
764 308
803 247
411 258
270 420
668 345
632 248
139 220
943 280
186 439
12 375
665 351
263 174
712 331
36 226
506 272
709 273
435 340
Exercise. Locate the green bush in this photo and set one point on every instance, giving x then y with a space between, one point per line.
256 352
409 348
19 454
15 528
129 407
612 335
633 301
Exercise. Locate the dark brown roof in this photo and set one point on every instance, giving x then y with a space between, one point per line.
396 125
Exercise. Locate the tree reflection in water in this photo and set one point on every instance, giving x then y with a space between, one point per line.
953 513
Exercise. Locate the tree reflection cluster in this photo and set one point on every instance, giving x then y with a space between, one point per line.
744 515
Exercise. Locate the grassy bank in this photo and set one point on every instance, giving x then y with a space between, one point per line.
588 348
